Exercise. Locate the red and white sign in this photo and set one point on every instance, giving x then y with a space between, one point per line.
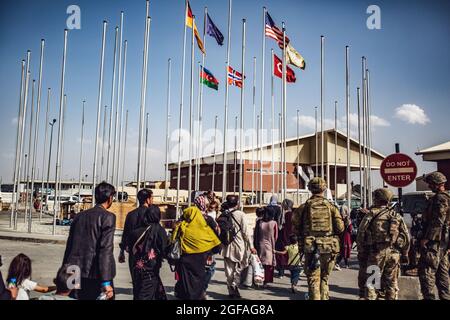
398 170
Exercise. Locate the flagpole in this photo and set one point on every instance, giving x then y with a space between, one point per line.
335 150
214 155
280 174
258 138
241 144
36 132
347 105
124 150
115 169
263 49
358 96
200 120
284 115
44 154
273 121
125 50
317 144
369 135
143 97
322 111
191 113
102 160
298 156
60 129
363 75
99 110
169 80
235 154
27 174
197 132
81 153
180 126
111 110
254 128
145 149
18 145
22 121
224 166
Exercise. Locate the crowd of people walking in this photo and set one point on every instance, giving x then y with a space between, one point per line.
310 240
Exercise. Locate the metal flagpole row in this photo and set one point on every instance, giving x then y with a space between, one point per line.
363 98
22 136
146 149
358 96
60 130
284 115
104 144
235 154
225 121
18 146
369 137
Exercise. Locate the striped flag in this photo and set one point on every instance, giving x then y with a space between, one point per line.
234 77
272 31
189 23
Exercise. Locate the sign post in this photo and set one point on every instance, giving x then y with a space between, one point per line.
398 170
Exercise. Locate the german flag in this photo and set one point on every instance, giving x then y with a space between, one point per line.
189 20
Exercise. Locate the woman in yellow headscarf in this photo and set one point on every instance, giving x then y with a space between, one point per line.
197 240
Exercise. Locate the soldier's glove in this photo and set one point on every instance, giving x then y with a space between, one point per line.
404 259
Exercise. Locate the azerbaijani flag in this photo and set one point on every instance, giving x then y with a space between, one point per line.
209 80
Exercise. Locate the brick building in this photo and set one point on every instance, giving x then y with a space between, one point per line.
301 151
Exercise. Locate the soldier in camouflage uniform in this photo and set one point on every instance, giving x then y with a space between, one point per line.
363 255
318 224
384 236
434 261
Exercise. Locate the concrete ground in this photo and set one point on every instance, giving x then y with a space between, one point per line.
47 252
48 257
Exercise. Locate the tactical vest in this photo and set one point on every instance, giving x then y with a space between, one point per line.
384 227
317 218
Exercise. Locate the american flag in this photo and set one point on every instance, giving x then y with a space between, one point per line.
234 77
272 31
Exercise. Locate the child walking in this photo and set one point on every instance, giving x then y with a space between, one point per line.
19 276
293 260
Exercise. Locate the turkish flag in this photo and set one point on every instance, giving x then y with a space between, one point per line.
278 70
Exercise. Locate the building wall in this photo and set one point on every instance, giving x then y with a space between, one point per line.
444 167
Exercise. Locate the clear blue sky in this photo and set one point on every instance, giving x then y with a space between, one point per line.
408 59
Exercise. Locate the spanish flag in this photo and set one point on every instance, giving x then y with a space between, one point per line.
189 20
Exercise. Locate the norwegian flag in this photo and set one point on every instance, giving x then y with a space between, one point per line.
234 77
272 31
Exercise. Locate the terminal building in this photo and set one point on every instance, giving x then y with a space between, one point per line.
301 165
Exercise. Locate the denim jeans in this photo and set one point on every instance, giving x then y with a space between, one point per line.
295 274
210 270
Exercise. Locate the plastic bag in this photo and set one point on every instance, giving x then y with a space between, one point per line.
258 270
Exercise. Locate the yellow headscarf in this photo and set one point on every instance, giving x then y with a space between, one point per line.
195 234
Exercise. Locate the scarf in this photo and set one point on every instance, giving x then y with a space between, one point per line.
195 234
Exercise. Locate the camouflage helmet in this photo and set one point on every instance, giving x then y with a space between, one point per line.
383 195
317 185
435 178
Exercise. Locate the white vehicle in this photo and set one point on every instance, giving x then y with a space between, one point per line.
62 199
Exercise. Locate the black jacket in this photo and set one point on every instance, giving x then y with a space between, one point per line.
132 222
4 293
91 244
